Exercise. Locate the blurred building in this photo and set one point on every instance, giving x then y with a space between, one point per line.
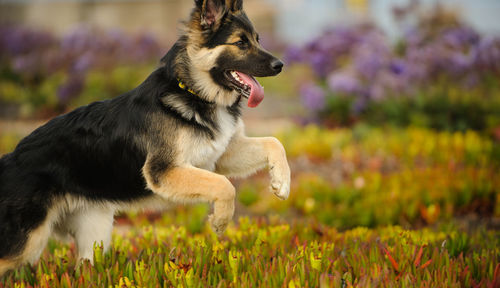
294 21
300 20
160 17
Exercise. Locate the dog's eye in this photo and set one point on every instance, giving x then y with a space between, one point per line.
258 38
243 41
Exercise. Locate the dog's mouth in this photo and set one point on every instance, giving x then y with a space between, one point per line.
247 86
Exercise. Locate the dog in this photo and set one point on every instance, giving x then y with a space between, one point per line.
176 138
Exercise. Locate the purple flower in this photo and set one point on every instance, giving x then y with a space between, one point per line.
293 55
20 40
460 63
369 65
376 92
460 37
487 54
145 47
71 89
80 41
343 82
370 57
83 63
321 64
313 96
422 63
116 36
24 64
413 38
340 40
397 66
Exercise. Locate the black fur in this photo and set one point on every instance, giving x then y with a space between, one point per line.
230 25
97 152
194 105
92 152
235 109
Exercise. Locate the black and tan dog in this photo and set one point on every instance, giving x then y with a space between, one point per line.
174 139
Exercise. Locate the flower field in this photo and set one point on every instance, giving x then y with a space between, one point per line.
394 152
42 74
368 207
274 254
441 73
422 175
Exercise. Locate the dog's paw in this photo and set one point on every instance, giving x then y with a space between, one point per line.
219 225
278 169
281 190
280 181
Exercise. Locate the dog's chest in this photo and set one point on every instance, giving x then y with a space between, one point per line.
203 152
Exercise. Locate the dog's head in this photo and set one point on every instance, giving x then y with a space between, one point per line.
225 54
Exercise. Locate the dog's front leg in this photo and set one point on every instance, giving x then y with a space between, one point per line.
246 155
190 184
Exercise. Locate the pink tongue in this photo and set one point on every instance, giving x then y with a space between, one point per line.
256 90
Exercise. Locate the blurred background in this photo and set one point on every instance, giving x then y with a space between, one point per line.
389 109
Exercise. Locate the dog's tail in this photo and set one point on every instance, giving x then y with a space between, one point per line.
6 265
4 160
2 168
2 165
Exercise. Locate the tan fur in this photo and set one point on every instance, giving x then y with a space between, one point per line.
235 37
33 248
240 157
196 165
36 243
6 265
245 156
188 184
203 60
67 219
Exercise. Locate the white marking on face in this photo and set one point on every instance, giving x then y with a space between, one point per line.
203 60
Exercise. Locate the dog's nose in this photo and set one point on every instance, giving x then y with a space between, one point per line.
277 65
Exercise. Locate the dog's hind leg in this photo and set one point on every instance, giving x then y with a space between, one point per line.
24 234
91 225
6 265
36 240
190 184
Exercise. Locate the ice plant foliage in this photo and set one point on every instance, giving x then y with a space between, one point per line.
301 255
373 177
409 177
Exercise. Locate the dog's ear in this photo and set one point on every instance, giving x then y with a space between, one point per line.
235 5
211 12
